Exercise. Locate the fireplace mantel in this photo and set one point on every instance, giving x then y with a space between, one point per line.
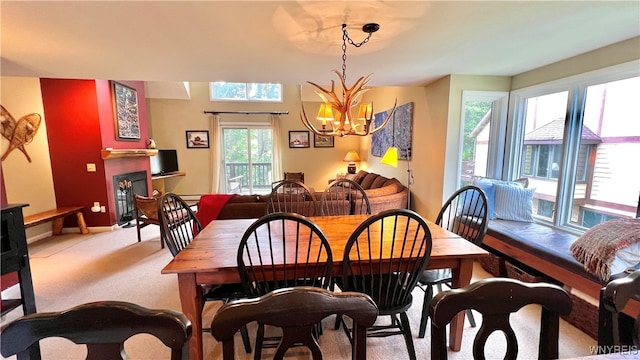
110 153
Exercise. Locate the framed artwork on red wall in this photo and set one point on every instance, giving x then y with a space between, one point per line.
125 109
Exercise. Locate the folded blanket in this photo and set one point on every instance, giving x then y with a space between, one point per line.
209 207
598 246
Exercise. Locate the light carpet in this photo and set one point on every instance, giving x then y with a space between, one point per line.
73 269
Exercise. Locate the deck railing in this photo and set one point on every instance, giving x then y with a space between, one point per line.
260 176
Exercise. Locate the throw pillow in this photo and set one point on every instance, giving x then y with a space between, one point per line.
471 202
513 203
368 180
378 182
360 176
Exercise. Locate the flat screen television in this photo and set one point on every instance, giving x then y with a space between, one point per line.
165 162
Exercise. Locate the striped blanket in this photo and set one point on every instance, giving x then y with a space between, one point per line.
598 246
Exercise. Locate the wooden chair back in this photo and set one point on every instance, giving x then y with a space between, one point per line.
146 210
283 238
102 326
466 214
496 299
398 233
179 223
613 298
294 176
293 197
297 311
384 258
344 190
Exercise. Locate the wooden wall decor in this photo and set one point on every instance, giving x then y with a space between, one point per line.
19 133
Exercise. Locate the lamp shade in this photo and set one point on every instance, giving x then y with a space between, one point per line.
351 156
390 157
325 113
365 112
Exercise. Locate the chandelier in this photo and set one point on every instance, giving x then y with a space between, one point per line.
343 123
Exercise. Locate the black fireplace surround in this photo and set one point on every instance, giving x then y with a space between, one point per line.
124 187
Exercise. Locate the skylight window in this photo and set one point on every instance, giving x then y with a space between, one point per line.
230 91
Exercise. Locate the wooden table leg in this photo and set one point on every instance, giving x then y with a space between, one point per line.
461 278
191 301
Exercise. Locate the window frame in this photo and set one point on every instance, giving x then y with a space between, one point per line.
212 92
576 86
497 132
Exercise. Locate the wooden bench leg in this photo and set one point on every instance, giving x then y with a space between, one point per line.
56 227
81 224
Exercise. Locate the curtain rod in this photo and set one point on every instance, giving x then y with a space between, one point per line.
248 112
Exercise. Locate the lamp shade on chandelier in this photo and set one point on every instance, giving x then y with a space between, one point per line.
336 112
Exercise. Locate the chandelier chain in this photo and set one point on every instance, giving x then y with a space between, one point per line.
345 39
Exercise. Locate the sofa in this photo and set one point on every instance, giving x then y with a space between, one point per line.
383 194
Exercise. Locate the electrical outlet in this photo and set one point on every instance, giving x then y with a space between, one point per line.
103 209
91 167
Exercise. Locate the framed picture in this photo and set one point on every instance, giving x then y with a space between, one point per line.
299 139
321 141
125 109
197 139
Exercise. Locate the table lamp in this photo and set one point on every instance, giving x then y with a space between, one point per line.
351 158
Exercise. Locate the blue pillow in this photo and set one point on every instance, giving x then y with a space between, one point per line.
469 204
490 192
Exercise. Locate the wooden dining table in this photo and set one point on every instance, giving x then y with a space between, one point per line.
211 258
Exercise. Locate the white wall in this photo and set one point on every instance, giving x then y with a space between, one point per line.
28 182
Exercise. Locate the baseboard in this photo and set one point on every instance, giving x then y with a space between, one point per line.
41 236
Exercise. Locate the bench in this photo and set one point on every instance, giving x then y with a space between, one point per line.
57 216
546 250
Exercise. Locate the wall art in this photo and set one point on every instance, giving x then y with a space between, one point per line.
125 105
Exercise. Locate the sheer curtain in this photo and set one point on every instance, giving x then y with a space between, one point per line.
218 176
276 167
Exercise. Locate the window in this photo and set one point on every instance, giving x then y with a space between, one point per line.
248 159
545 208
543 161
480 110
575 140
221 90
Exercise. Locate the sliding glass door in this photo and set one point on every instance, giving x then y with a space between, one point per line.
248 159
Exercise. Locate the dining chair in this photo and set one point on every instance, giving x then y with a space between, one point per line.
293 197
465 213
613 298
282 250
383 258
180 226
296 311
102 326
496 299
341 190
294 176
146 210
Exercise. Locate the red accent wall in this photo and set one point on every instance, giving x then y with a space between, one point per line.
80 123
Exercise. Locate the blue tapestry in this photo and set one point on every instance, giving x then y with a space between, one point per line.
397 132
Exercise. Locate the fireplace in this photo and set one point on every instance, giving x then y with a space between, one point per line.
124 187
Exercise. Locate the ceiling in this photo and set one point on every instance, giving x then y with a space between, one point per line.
292 42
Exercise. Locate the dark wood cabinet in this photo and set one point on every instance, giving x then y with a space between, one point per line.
15 258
